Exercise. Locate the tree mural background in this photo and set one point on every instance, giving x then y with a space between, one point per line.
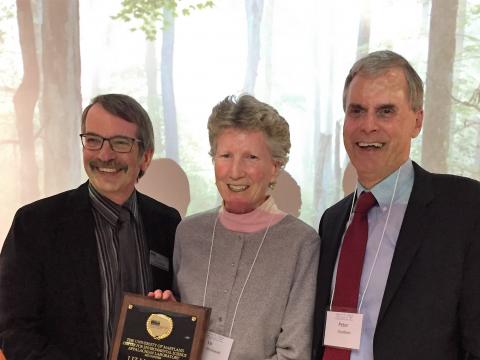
55 55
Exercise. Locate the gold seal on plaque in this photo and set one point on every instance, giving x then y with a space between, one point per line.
159 326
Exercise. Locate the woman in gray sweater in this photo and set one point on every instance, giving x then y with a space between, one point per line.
252 264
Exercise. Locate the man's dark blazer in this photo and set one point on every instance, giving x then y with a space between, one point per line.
50 287
431 305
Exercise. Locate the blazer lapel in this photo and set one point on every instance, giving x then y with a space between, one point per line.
150 221
332 228
159 232
331 231
81 248
336 232
157 226
410 237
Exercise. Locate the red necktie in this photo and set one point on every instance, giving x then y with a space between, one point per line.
350 265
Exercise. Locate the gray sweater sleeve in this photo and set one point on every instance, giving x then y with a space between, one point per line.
295 339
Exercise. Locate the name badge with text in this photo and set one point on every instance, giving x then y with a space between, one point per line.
217 347
343 330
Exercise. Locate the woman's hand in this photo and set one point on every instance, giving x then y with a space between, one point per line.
162 295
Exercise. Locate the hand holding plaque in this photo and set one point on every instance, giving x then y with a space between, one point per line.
159 330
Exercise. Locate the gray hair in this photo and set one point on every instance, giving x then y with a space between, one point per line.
247 113
130 110
379 62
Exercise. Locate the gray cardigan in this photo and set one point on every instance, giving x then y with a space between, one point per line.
274 317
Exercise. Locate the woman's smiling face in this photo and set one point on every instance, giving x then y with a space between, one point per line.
244 168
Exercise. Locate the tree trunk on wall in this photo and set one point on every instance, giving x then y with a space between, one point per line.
318 145
25 100
168 95
425 17
267 46
153 97
441 55
322 115
363 42
322 172
61 97
336 159
254 10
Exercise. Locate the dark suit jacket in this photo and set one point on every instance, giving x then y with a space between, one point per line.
431 305
50 295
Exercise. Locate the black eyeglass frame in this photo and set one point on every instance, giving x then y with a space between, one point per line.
132 141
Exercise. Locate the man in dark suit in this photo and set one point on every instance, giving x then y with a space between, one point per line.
419 290
68 258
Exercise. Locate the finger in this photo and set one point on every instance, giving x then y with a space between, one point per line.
168 295
157 294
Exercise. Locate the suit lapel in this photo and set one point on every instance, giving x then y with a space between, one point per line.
150 221
155 232
410 237
159 228
81 248
331 232
337 231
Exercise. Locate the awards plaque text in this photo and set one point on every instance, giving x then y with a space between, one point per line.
150 329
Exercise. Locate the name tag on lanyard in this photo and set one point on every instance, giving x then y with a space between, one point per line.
343 330
217 347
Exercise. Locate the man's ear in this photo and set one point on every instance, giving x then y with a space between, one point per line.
418 123
146 159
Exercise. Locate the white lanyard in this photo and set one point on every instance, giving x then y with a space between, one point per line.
249 272
379 245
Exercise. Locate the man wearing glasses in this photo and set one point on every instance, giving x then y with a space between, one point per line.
67 259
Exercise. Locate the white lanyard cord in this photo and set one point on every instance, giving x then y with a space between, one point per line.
379 245
248 276
209 261
381 240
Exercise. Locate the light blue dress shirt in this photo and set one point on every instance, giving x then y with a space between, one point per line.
377 217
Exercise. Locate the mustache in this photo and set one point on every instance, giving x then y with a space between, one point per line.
111 164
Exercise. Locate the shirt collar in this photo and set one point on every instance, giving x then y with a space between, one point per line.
383 190
110 210
260 218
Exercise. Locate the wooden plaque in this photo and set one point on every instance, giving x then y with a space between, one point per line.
158 330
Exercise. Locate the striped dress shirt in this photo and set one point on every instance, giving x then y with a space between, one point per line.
106 215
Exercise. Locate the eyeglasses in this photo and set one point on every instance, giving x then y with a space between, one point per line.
120 144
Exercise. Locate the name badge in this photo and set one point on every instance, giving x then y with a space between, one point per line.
343 330
217 347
